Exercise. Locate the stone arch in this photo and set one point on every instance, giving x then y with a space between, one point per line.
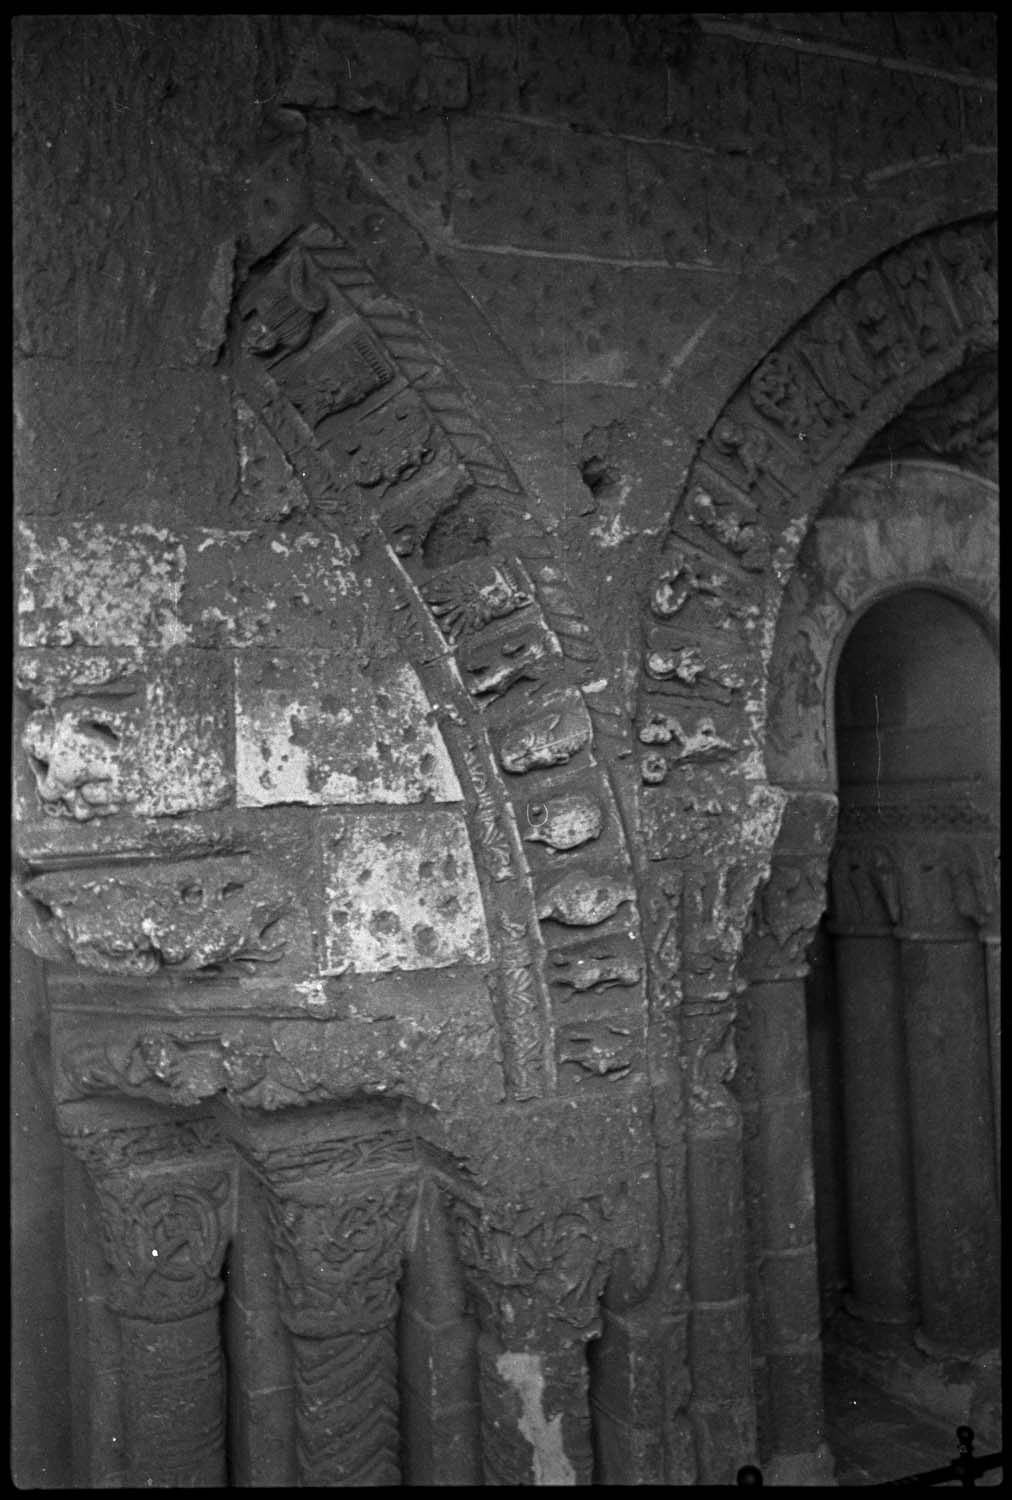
884 528
390 452
760 476
738 857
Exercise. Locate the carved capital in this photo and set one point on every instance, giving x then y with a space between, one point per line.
950 888
785 918
715 906
339 1259
338 1203
164 1227
864 885
536 1269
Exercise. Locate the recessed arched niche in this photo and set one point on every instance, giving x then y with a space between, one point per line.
909 1224
916 695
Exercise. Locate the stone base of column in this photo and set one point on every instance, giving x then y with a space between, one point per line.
870 1312
815 1469
952 1389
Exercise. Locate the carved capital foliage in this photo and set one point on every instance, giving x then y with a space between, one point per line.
785 917
338 1201
864 886
340 1259
164 1226
929 886
537 1268
949 887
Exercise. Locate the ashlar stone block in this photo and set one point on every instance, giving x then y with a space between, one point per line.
401 893
86 583
312 729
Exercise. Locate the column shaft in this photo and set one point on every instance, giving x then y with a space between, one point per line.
953 1142
789 1276
880 1221
174 1402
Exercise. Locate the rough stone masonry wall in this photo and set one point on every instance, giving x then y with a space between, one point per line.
360 363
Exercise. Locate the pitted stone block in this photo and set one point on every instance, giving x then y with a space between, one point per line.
401 892
311 729
83 582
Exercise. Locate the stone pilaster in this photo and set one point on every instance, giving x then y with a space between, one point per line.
785 918
865 897
165 1223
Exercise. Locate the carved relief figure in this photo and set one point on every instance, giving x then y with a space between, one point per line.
738 529
550 739
784 392
471 597
584 900
564 822
202 918
74 756
283 318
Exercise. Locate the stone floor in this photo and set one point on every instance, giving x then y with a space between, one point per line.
876 1438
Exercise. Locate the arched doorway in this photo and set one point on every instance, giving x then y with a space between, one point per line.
902 1009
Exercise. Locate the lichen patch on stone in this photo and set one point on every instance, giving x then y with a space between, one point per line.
524 1373
95 585
393 898
310 731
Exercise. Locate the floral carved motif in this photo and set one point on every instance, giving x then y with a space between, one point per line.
786 915
472 596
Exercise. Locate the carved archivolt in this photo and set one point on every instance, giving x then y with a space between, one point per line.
737 640
389 450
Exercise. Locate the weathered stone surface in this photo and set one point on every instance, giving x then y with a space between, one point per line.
308 731
172 461
97 585
687 208
194 918
115 733
260 1065
566 196
376 70
108 270
401 892
528 358
290 588
572 321
589 71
